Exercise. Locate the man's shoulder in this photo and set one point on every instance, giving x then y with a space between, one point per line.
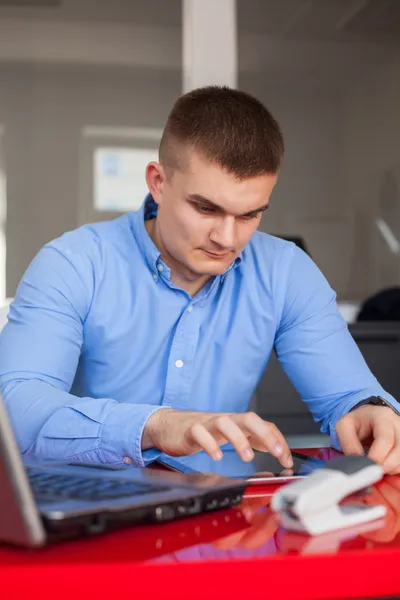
93 238
266 246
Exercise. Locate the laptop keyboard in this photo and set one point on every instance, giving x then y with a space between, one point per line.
49 486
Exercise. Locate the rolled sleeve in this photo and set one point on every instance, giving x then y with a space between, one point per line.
122 434
317 351
39 354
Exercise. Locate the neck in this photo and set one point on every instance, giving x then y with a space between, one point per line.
180 275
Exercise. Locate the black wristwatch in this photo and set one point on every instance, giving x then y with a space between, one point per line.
377 401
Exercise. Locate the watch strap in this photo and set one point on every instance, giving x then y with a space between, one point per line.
376 401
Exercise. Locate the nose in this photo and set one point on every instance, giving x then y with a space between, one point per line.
224 233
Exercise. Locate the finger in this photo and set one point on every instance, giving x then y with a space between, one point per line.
269 436
392 461
286 473
231 431
384 437
348 436
203 438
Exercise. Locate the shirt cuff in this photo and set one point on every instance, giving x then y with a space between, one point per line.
122 434
349 403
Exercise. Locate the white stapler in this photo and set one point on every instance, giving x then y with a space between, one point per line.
311 505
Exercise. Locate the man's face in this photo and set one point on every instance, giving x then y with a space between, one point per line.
205 215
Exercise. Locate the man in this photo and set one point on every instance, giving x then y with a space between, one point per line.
149 333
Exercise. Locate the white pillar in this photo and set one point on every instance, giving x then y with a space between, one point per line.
209 43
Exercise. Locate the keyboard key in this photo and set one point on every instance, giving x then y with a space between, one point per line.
55 485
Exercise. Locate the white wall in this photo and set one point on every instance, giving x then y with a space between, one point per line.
308 199
43 111
371 174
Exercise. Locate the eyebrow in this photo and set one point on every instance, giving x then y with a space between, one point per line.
201 199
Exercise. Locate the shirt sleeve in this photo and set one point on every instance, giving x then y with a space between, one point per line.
39 353
317 351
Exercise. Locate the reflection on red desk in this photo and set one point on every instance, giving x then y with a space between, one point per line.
230 553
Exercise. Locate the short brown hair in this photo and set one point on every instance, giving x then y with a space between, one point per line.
228 127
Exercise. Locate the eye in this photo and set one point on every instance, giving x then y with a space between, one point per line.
250 217
205 210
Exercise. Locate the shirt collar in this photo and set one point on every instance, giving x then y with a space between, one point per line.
147 211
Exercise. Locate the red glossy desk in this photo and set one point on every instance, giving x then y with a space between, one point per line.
235 553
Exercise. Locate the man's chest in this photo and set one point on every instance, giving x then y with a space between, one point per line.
173 350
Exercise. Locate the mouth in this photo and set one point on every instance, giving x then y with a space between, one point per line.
217 255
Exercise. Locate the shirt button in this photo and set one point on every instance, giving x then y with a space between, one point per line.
179 363
127 460
190 308
155 276
160 267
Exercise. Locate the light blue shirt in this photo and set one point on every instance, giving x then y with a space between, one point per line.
99 338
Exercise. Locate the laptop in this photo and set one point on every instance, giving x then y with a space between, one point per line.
46 501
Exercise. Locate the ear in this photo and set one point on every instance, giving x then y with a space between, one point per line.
155 178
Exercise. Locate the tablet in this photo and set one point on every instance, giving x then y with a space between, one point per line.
264 468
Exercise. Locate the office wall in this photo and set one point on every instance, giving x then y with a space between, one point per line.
371 173
86 71
308 198
44 109
333 137
15 98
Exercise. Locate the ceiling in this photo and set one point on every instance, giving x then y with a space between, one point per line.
309 19
318 40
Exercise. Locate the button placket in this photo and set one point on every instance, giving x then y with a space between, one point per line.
180 364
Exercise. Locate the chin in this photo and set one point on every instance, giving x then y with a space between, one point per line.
210 268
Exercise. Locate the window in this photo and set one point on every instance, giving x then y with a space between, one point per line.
112 170
119 183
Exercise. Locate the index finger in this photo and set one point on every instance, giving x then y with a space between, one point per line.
384 440
205 440
269 437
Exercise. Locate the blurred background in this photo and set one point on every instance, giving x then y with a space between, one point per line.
86 86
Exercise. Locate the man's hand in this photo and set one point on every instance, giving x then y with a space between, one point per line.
180 432
376 428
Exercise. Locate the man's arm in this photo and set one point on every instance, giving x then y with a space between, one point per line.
39 352
317 351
